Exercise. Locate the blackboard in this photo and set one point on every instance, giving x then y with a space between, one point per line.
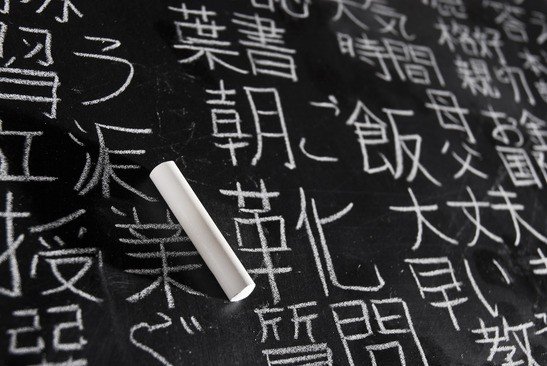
379 167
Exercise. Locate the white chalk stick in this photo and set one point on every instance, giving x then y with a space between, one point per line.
202 231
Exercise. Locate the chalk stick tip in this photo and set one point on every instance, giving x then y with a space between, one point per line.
158 167
243 293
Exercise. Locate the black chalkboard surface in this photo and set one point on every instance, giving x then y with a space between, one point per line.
379 167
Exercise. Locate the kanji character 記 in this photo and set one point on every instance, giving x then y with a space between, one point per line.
265 46
298 9
83 260
475 76
67 336
538 18
9 170
266 108
514 76
168 252
164 323
16 344
226 120
471 209
541 262
60 342
9 255
513 210
105 168
108 44
204 38
31 86
320 353
436 275
68 8
418 210
373 131
260 223
519 166
532 62
512 342
465 163
508 16
449 113
448 8
309 220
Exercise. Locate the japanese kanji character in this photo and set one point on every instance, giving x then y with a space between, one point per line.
82 259
266 102
170 254
68 8
519 166
449 113
32 86
436 275
311 217
265 46
500 342
266 248
226 120
105 168
513 209
418 210
8 170
372 131
475 76
475 217
206 42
